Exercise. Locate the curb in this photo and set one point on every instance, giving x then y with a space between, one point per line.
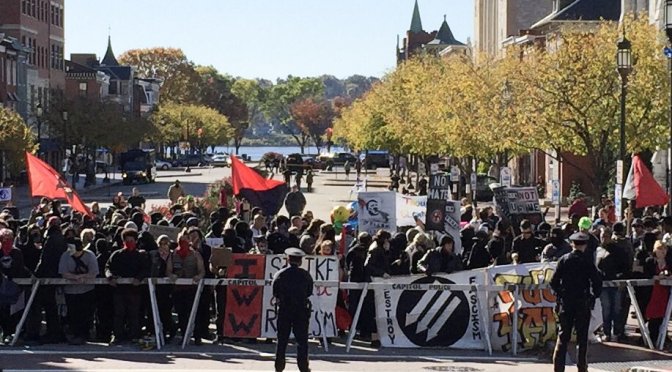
180 175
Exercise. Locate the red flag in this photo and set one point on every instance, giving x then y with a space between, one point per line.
45 181
259 191
648 192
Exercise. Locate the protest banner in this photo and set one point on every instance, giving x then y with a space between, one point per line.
242 317
537 323
251 311
445 318
518 203
444 216
410 208
377 210
158 230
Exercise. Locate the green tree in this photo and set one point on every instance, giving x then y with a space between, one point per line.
15 139
180 79
283 95
217 93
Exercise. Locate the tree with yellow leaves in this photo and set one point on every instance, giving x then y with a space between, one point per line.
15 139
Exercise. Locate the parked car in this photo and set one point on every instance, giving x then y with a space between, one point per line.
191 161
163 165
377 159
221 161
295 163
483 190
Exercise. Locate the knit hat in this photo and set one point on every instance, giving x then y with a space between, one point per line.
585 223
131 225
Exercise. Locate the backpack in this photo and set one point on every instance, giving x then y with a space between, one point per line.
9 291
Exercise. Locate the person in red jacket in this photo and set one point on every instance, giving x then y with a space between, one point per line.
655 310
579 207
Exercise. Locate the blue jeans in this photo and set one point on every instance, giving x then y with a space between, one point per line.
611 307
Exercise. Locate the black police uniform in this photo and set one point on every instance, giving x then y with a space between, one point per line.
574 276
292 286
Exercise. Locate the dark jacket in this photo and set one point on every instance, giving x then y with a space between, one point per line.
553 252
157 268
498 248
527 248
479 256
278 242
438 261
377 263
292 286
12 265
354 263
53 249
573 279
124 263
613 265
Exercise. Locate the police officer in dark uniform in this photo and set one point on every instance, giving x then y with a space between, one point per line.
574 277
292 286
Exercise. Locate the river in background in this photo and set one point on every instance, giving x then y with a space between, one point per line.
256 152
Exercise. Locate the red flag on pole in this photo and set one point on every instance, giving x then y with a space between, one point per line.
259 191
646 190
46 181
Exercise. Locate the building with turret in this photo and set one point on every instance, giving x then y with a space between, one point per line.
417 40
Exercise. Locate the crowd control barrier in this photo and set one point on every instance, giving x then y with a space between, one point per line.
514 289
502 307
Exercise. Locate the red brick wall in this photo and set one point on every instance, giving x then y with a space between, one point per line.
579 169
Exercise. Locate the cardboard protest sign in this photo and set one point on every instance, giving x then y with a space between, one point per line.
377 210
242 317
518 203
221 257
444 318
158 230
323 300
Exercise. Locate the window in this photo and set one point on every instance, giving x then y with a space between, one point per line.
34 7
24 6
53 15
83 89
113 87
61 17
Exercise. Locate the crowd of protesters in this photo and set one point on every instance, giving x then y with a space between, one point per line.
54 243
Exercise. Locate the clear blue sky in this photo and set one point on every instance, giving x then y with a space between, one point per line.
263 38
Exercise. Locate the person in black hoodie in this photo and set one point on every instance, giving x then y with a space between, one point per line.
479 256
131 263
354 264
45 299
441 259
376 265
499 246
611 263
104 296
32 247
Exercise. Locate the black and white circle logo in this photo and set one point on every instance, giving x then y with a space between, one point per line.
433 318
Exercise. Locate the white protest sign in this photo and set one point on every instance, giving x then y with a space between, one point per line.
410 208
323 300
505 176
435 318
377 210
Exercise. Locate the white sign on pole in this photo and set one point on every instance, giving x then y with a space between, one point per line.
5 194
505 177
619 171
474 179
454 174
555 192
618 202
434 168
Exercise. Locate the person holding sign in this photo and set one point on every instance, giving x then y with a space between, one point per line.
292 287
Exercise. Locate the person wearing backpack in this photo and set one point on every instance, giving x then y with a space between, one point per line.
78 265
11 266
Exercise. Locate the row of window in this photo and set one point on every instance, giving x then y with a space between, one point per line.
8 71
40 57
44 11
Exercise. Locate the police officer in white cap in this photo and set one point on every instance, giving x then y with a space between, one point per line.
577 284
292 286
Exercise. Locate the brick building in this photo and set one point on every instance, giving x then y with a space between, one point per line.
12 73
39 26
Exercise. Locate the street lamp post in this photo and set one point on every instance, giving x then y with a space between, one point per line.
668 30
624 63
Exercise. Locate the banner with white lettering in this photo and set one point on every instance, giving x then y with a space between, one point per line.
377 210
441 317
323 300
410 208
536 318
